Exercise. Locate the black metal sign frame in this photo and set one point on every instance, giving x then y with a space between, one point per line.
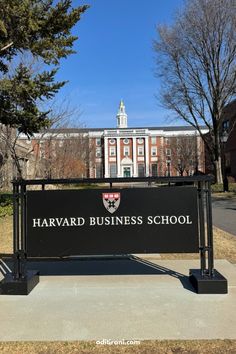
204 280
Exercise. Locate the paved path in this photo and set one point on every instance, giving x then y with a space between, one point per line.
142 301
224 214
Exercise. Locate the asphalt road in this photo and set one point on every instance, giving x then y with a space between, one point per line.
224 214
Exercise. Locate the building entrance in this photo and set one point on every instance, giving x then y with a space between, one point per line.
127 171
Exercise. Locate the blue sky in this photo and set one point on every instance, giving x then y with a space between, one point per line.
115 60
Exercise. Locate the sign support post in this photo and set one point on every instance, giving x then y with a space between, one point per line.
20 281
207 280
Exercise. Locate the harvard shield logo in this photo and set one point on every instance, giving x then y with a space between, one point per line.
111 201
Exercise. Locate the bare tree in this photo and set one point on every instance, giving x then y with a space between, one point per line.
62 151
5 136
65 154
12 155
35 156
196 61
185 155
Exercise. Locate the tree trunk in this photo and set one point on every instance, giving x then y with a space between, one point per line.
218 171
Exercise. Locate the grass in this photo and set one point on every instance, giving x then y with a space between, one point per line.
145 347
6 234
224 196
6 200
218 188
224 248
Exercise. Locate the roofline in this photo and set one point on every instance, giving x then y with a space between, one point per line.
163 128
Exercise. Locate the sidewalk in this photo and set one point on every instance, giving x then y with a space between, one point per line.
144 301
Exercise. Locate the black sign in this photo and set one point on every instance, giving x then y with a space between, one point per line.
119 221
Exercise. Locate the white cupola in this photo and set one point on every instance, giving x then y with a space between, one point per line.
121 116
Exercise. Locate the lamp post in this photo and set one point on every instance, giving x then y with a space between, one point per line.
223 139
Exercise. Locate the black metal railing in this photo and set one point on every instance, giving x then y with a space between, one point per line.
202 183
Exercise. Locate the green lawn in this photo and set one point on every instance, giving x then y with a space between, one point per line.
145 347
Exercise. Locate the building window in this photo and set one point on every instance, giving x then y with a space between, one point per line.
126 141
168 152
153 140
98 152
154 169
112 141
167 141
140 151
140 140
141 170
112 151
126 150
113 170
154 151
99 171
98 141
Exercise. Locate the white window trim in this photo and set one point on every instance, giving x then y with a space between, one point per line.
140 151
154 151
126 148
112 151
153 140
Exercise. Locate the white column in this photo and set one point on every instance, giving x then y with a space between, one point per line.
118 157
147 156
134 158
106 156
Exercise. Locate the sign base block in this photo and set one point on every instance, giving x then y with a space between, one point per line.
206 284
23 286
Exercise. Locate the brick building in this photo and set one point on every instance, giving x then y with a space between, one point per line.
123 151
